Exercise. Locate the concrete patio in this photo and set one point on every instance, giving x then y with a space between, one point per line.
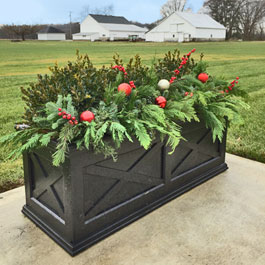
220 222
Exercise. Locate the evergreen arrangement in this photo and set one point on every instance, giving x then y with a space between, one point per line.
97 109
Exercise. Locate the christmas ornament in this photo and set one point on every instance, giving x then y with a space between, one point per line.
161 101
203 77
87 116
163 84
125 88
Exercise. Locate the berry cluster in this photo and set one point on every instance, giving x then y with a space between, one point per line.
188 94
64 115
120 68
232 84
185 58
132 84
173 78
184 61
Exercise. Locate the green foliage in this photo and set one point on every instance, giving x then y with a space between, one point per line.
80 86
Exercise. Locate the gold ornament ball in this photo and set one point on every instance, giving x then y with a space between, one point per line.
163 84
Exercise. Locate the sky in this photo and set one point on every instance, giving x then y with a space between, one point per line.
57 11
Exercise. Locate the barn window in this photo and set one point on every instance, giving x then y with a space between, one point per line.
104 35
173 35
211 35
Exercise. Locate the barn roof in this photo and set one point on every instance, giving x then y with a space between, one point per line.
200 20
125 27
51 29
110 19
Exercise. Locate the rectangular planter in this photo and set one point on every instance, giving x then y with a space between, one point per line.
90 197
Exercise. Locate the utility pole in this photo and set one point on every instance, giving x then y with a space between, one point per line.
70 16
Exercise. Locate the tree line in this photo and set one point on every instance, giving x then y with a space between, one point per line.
243 19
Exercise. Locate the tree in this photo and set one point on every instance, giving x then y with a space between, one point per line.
172 6
21 30
227 13
104 10
251 15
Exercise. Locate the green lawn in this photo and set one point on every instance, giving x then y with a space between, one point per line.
20 62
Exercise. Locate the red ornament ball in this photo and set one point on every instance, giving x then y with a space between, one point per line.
125 88
161 101
203 77
87 116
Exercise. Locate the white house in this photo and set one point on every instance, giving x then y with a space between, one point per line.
102 27
51 33
184 26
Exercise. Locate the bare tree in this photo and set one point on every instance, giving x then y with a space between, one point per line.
104 10
21 30
251 15
84 13
227 13
172 6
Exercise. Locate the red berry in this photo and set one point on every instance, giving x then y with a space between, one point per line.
222 92
64 112
237 78
64 116
73 118
236 82
87 116
126 88
161 101
230 88
75 122
60 113
226 91
68 116
186 94
191 94
59 109
71 122
203 77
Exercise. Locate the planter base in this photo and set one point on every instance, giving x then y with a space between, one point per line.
73 249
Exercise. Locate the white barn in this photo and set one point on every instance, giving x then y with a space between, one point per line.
102 27
51 33
184 26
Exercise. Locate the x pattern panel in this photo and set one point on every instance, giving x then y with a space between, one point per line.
192 154
47 185
121 181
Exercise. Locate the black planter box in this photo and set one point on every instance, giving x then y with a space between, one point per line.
90 197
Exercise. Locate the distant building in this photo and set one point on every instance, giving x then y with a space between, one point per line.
186 26
51 33
101 27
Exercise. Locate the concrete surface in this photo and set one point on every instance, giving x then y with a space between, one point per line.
220 222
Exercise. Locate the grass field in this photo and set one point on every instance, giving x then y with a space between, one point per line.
20 62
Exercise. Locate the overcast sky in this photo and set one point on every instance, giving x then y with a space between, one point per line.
57 11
